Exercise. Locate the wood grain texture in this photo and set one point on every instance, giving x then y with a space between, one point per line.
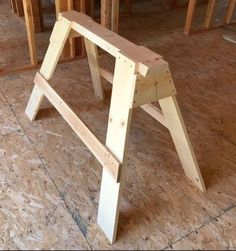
159 207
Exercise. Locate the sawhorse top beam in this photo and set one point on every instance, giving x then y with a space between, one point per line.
147 60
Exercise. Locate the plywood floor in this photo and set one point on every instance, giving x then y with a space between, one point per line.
49 181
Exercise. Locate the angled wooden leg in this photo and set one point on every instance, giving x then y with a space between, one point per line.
172 114
189 17
210 11
58 38
117 134
92 55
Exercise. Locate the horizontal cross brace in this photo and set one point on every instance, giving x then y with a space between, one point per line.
102 154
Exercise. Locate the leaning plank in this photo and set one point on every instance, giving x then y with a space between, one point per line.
102 154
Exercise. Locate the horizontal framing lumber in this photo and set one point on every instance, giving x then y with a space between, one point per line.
102 154
156 113
107 75
148 61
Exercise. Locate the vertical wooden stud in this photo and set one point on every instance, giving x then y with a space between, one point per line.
106 13
37 15
230 11
19 8
115 11
30 31
190 15
210 11
13 6
71 40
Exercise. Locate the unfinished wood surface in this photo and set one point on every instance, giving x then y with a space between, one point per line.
156 113
37 15
230 11
159 208
30 31
106 7
71 40
73 47
116 141
64 5
13 6
190 14
107 75
152 88
210 12
31 207
172 114
95 146
115 12
19 7
58 39
113 43
92 54
129 86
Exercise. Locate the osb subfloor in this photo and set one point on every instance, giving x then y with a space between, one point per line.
49 181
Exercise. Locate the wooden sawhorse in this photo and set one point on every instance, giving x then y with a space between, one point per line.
140 77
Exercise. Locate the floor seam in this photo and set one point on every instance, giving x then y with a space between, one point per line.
44 165
200 227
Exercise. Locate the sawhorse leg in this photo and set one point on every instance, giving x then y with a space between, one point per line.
179 134
57 42
117 134
92 54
